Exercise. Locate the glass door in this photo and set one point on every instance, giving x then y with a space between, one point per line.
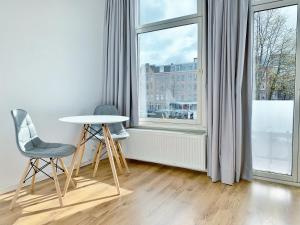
275 105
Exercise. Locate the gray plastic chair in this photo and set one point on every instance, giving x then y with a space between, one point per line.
117 130
118 133
31 146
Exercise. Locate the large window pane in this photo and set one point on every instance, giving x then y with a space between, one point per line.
157 10
168 73
274 89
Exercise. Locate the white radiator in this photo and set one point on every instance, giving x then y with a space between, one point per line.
172 148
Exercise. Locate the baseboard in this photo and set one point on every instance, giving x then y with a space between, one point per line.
39 177
277 181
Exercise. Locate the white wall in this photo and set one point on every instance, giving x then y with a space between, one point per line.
50 65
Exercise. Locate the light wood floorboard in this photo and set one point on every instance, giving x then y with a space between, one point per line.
153 195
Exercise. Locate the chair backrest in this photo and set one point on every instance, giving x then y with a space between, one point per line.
26 135
115 128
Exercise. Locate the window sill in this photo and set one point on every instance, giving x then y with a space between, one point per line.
186 128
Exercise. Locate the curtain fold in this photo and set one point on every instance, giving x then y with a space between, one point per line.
229 90
120 85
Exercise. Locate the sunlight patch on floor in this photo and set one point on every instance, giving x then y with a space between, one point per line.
43 206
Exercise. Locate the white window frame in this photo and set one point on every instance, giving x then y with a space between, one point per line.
261 5
198 18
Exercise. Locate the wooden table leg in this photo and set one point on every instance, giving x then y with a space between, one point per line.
82 148
66 172
69 177
83 131
98 156
95 156
106 135
114 151
119 147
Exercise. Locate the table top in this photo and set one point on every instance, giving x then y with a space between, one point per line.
94 119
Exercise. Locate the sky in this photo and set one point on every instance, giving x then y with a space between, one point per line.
179 44
290 12
174 45
161 47
156 10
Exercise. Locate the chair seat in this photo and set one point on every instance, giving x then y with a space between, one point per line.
119 136
50 150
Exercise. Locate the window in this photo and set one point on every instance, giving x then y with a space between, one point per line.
159 10
170 58
275 102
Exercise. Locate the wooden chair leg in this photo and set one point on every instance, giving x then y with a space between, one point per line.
20 185
70 172
34 175
110 157
56 183
66 172
122 155
98 156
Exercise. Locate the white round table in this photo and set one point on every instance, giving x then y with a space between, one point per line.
94 119
103 121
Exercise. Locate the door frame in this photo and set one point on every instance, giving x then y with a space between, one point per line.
294 177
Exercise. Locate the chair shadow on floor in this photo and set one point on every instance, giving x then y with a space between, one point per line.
89 193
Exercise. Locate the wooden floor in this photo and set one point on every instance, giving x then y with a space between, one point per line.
154 195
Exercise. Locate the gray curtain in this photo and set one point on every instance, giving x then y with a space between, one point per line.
120 84
229 90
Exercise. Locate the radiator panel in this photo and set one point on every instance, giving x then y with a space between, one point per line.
179 149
